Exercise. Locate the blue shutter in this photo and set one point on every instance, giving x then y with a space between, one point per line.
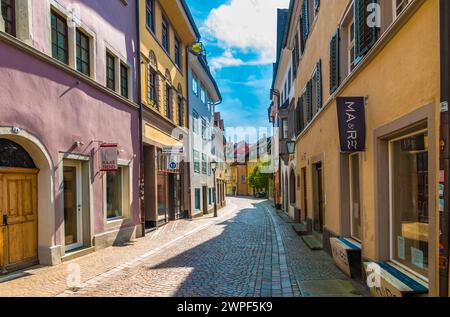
334 62
319 84
309 110
365 36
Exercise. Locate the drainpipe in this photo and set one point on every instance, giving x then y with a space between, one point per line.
189 133
444 159
141 118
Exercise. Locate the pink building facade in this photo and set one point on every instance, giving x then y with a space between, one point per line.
68 73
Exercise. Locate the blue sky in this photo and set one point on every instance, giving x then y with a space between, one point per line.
240 39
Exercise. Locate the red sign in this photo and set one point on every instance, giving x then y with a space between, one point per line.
108 157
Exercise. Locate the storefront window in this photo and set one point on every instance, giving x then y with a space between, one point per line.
114 194
409 202
355 197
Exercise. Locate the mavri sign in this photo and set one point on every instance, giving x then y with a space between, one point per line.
352 123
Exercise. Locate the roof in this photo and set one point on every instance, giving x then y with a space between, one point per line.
191 19
282 22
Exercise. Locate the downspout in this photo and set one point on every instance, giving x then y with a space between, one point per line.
188 169
444 159
141 118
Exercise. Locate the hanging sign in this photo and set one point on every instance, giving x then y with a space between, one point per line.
108 157
352 123
172 163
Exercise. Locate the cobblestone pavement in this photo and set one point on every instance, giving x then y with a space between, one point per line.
248 251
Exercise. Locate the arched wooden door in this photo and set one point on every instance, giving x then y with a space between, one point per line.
18 207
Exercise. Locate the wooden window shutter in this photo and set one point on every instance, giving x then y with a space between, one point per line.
309 110
302 39
334 62
305 16
319 84
365 36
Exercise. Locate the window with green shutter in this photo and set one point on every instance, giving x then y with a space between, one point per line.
309 108
334 62
365 34
319 85
197 199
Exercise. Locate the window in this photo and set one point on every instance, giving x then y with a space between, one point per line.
9 16
399 6
203 129
351 47
284 123
319 96
196 162
195 121
83 51
365 34
180 111
59 38
243 179
197 198
149 16
114 194
355 197
334 63
202 95
167 102
110 71
165 34
124 80
209 169
177 47
204 164
195 85
152 87
289 81
309 101
210 195
409 202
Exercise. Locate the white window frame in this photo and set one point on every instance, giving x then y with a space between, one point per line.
395 7
127 190
194 84
391 229
351 46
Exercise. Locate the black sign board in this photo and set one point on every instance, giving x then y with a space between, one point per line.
352 123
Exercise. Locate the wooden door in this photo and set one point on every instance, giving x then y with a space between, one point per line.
205 200
18 204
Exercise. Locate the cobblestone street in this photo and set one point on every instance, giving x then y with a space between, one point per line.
248 251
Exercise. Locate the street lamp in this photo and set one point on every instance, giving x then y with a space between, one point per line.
290 147
214 167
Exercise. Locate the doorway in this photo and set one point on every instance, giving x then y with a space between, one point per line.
304 185
205 199
73 198
18 208
355 197
318 198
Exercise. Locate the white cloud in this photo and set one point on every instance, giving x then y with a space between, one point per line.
246 25
226 60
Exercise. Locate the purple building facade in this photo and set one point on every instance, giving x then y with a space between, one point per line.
68 74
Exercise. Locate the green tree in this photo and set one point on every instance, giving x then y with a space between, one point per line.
259 180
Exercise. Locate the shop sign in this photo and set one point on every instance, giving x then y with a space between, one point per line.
352 123
174 149
108 157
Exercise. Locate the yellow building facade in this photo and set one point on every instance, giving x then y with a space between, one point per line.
167 31
385 197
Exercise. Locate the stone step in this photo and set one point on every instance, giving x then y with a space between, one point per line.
312 242
300 229
285 217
